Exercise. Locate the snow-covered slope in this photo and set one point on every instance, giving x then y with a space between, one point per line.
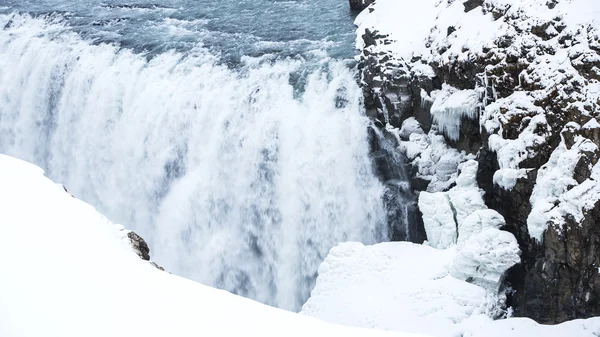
65 270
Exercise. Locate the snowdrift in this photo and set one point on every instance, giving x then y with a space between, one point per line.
403 286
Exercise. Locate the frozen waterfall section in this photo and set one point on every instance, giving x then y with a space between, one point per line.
234 177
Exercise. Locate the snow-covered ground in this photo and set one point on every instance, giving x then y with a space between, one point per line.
447 287
66 270
403 286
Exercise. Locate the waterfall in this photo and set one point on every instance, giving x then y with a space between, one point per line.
240 178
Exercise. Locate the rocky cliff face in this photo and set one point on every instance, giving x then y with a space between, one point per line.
514 85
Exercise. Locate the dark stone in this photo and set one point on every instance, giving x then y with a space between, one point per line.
583 168
450 30
470 136
562 282
402 213
369 38
359 5
400 202
543 32
552 3
139 245
472 4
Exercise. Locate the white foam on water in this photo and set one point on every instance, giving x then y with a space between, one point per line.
235 180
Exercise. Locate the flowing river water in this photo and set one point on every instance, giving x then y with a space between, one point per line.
229 134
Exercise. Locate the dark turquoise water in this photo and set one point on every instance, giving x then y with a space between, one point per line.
229 28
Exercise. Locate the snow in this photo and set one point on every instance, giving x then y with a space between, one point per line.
460 218
511 152
380 287
475 33
433 159
451 106
68 271
557 194
591 124
438 219
478 221
410 126
481 326
410 26
384 287
507 177
484 257
404 21
458 212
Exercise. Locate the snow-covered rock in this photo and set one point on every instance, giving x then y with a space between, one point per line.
483 258
477 222
456 215
438 219
558 194
460 217
432 159
515 85
67 271
451 106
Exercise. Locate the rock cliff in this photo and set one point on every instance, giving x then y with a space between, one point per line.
515 86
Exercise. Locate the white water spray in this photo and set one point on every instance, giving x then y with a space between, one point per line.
233 179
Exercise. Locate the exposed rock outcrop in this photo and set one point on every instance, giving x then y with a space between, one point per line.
515 86
140 247
403 220
360 4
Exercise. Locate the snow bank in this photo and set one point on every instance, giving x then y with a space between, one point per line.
68 271
403 286
394 286
482 326
436 288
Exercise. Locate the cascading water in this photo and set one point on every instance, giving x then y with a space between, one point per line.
239 177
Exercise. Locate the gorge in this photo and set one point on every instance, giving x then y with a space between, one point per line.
427 168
